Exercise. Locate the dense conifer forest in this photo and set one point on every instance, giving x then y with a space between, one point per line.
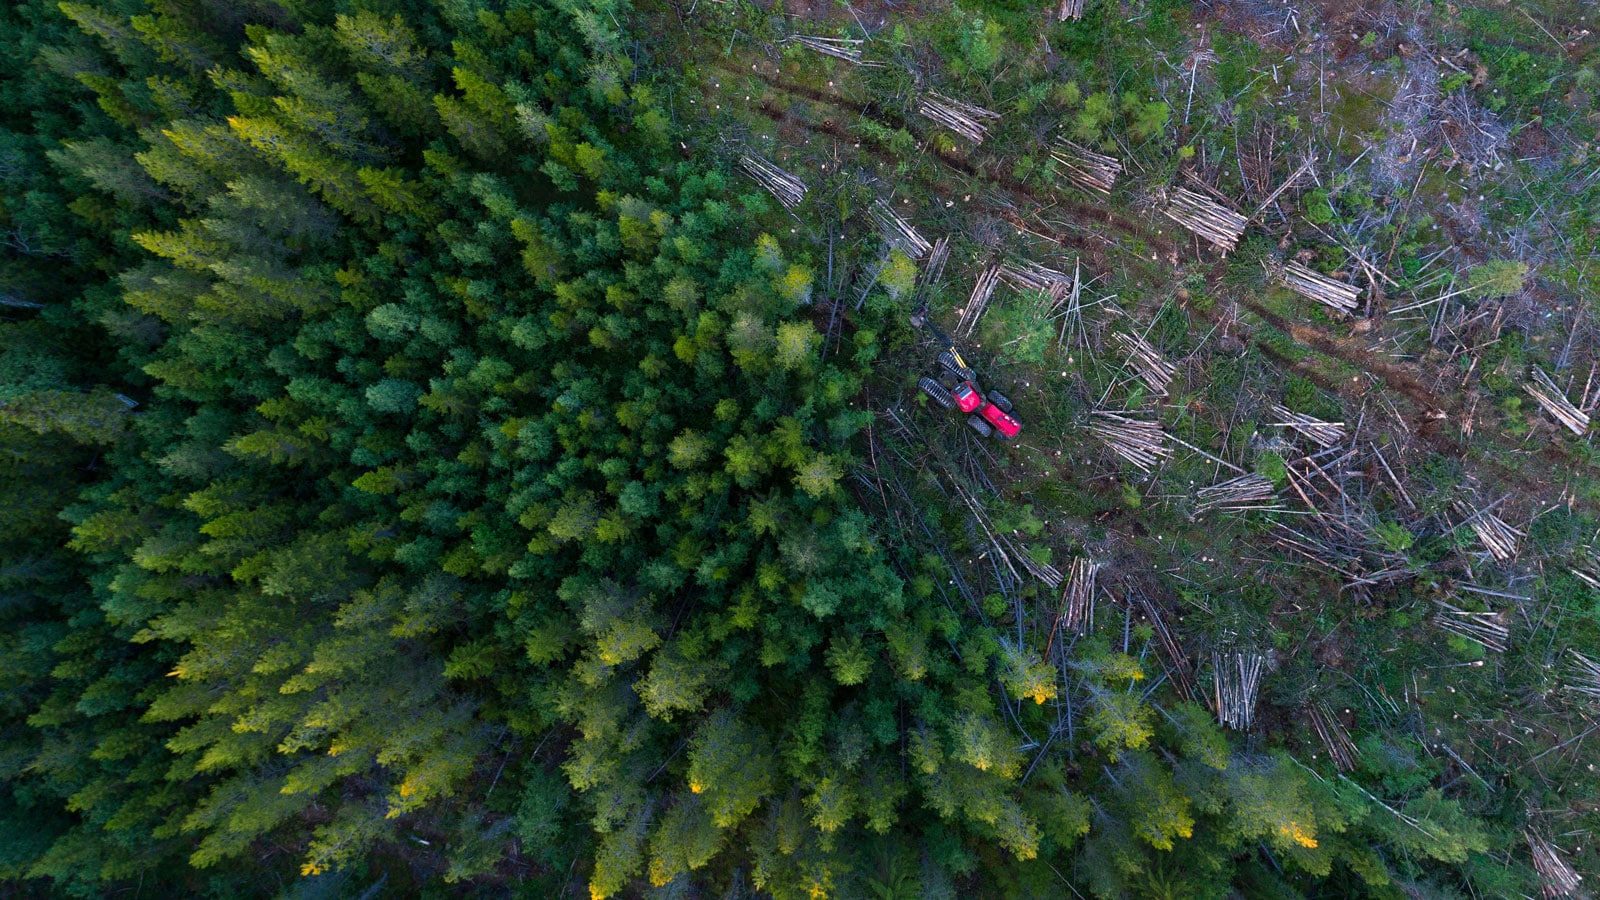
431 465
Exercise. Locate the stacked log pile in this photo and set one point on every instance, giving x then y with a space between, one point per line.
1235 682
788 189
1091 172
1314 285
898 232
1205 217
847 49
1323 434
982 291
963 118
1142 443
1246 492
1146 362
1554 400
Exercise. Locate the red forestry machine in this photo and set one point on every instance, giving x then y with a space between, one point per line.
957 388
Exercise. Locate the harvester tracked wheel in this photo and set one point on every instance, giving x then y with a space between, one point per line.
956 370
1000 400
937 393
978 424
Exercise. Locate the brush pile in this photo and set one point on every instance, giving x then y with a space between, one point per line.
788 189
1141 443
1090 172
1205 217
1555 402
963 118
1314 285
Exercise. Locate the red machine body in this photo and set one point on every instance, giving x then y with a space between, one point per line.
969 399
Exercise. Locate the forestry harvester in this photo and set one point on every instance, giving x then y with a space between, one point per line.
957 388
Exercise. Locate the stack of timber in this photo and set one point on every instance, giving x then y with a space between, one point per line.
1077 604
898 232
1323 434
1246 492
1314 285
1486 628
1027 275
1585 676
1555 402
963 118
982 290
1497 537
1140 442
1333 736
1588 571
1560 878
1050 575
847 49
788 189
933 271
1235 681
1147 362
1205 217
1180 668
1070 9
1090 172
